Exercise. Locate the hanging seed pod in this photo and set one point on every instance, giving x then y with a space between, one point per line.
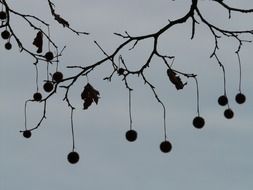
5 34
198 122
131 135
3 15
165 146
73 157
27 134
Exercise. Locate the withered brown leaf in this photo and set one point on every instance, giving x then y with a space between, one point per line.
38 41
176 80
61 20
89 95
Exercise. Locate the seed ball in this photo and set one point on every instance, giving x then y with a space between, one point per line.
165 146
223 100
49 56
27 134
3 15
48 86
121 71
5 34
37 96
228 113
198 122
57 76
240 98
131 135
73 157
8 46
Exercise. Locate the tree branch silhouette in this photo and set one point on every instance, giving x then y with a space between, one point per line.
121 70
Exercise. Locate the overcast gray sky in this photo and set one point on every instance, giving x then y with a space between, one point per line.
217 157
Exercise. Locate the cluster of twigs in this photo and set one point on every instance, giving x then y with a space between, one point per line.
90 94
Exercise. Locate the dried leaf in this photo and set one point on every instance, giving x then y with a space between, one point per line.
176 80
89 95
61 20
38 41
87 103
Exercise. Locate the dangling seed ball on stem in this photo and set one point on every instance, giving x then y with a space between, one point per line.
3 15
49 56
48 86
228 113
223 100
198 122
165 146
5 34
131 135
57 76
240 98
8 46
73 157
37 96
27 134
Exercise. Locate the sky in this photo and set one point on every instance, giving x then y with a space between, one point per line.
219 156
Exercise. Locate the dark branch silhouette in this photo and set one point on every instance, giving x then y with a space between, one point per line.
119 67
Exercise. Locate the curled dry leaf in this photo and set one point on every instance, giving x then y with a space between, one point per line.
38 41
176 80
89 95
61 20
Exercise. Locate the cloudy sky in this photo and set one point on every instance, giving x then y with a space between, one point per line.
217 157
